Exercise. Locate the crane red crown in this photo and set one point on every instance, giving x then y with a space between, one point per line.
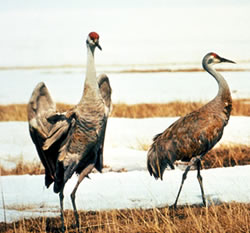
93 35
214 55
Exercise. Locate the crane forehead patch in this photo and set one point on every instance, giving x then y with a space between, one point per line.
214 55
93 35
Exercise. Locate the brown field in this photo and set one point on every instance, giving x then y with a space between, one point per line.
241 107
220 218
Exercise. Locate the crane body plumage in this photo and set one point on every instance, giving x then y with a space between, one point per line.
71 142
192 136
82 143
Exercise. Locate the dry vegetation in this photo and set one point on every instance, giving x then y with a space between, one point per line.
18 112
227 156
230 218
22 168
240 108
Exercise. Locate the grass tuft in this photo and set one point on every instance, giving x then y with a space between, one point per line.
227 156
22 168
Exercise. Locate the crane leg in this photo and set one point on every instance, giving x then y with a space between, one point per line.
73 197
184 176
61 196
199 177
83 174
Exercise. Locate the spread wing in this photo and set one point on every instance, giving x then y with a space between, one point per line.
105 89
43 122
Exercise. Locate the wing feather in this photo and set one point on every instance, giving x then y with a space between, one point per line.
40 106
46 124
106 91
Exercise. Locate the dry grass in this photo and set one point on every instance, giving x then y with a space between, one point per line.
230 218
22 168
13 112
18 112
177 108
227 156
154 110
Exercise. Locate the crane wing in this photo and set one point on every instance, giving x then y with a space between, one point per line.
105 89
61 123
99 160
47 128
40 107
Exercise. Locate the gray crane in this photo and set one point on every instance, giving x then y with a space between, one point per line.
192 136
72 141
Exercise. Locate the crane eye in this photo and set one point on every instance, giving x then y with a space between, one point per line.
210 61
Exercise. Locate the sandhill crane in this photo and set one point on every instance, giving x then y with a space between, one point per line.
71 141
192 136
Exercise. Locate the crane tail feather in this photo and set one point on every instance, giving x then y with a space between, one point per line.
158 160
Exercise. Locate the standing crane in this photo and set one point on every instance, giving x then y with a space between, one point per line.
192 136
71 142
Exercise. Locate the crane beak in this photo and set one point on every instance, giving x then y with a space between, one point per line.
226 60
98 46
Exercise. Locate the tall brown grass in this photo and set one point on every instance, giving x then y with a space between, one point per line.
13 112
230 218
18 112
227 156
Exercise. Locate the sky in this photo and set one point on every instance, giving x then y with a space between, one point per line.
30 4
131 32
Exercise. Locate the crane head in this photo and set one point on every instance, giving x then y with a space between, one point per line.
93 40
213 58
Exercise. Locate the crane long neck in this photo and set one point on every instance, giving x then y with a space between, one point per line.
224 91
91 90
